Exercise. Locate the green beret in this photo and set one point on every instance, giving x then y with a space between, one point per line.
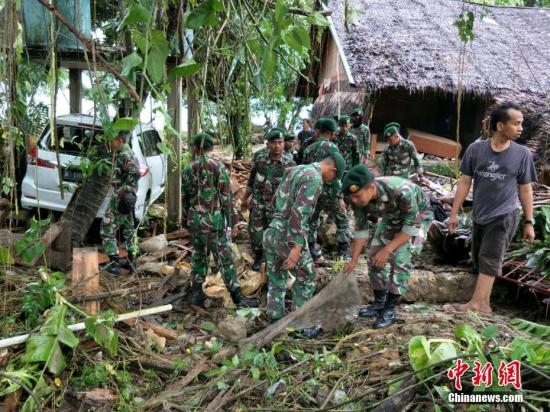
340 164
201 138
391 128
358 177
328 124
318 124
289 136
274 134
343 120
358 111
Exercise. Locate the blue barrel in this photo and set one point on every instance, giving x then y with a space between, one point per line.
37 20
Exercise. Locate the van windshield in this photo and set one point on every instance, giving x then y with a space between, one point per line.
76 139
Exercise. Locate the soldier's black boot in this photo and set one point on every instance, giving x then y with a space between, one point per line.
113 266
316 254
375 307
197 296
258 258
128 263
241 300
343 250
387 315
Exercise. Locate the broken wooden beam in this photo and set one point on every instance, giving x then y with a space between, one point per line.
47 239
85 276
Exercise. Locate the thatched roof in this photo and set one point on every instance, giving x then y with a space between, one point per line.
414 44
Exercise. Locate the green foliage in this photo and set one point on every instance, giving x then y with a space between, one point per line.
465 26
40 296
205 14
29 246
102 333
422 354
538 252
445 168
536 329
45 347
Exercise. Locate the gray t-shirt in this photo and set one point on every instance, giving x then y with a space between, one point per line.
496 176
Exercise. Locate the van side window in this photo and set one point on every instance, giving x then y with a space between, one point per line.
149 140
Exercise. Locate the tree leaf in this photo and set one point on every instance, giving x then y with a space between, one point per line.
185 69
130 62
5 256
490 332
125 123
136 14
419 352
444 351
204 15
158 53
473 339
536 329
300 38
102 334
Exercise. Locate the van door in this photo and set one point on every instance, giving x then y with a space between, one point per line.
155 160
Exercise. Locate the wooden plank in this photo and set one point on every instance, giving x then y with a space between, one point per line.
434 145
85 275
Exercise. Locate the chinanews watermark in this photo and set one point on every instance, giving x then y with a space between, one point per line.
508 374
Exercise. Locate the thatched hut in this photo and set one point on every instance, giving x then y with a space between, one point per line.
400 60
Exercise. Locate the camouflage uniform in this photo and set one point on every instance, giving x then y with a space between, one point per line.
294 203
125 177
332 193
401 206
264 179
208 210
362 133
398 159
350 149
291 154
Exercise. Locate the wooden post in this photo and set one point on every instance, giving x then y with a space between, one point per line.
86 275
192 109
173 186
75 90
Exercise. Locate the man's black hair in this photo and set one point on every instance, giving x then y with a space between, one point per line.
500 114
205 146
308 121
124 135
324 129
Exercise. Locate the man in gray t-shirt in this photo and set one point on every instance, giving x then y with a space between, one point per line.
502 172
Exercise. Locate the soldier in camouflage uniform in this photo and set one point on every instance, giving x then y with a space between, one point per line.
400 154
347 143
361 132
290 152
331 200
404 218
208 212
285 241
305 138
118 216
267 170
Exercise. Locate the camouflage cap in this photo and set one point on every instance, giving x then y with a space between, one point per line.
358 177
201 138
342 120
274 134
289 136
391 128
329 124
340 164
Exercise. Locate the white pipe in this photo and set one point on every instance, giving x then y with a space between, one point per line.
16 340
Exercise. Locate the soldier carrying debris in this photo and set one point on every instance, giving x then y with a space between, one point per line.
120 213
400 154
405 218
267 170
331 200
285 241
208 211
